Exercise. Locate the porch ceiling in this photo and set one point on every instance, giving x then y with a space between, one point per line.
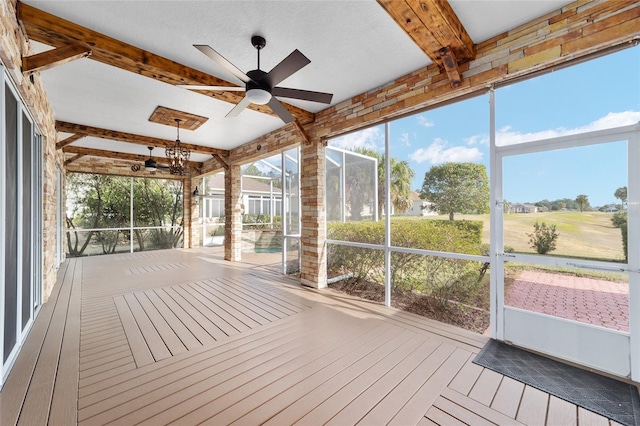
354 47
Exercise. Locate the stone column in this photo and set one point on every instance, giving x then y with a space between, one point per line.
187 213
313 261
233 213
196 220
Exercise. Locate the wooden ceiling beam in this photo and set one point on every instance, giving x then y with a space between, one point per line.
53 58
435 28
114 135
57 32
80 151
71 139
72 159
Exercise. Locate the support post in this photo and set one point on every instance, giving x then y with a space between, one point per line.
233 213
313 261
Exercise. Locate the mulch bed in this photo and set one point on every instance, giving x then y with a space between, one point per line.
467 317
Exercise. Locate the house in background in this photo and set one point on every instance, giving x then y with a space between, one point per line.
419 207
523 208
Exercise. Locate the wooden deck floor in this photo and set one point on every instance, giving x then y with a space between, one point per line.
184 337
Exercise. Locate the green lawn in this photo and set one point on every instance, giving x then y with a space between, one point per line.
587 235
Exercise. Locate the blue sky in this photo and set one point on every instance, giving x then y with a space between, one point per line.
602 93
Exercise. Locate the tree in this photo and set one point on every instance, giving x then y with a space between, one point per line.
583 202
457 188
401 176
621 194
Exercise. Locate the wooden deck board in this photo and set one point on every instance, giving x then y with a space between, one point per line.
561 412
16 386
507 398
239 344
39 395
484 390
533 407
140 350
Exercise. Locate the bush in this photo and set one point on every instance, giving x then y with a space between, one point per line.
619 218
543 239
443 279
623 229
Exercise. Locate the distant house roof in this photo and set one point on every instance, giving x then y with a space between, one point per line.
216 184
415 196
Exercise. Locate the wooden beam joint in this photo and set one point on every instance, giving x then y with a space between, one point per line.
222 160
53 58
451 66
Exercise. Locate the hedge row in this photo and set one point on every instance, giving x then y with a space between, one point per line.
441 278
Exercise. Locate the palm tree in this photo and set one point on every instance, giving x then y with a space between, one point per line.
401 176
582 201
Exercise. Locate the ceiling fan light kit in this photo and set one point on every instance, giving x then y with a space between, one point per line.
258 96
260 86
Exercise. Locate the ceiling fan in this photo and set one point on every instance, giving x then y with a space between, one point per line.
262 87
150 165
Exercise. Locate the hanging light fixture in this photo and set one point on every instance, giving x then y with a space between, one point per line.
178 155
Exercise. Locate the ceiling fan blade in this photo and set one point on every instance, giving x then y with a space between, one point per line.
221 61
305 95
204 87
239 107
289 65
277 107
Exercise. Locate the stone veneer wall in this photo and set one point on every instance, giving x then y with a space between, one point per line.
14 45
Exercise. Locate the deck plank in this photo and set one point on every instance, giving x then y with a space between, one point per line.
507 399
256 306
187 339
589 418
486 387
169 337
415 408
480 409
360 406
533 407
139 349
201 336
440 417
561 412
459 412
39 395
466 378
64 403
393 402
16 387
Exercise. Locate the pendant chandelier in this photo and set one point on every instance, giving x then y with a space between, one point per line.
177 155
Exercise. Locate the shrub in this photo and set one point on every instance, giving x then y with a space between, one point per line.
623 229
543 239
443 279
619 218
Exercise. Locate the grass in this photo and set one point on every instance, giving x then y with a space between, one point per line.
586 235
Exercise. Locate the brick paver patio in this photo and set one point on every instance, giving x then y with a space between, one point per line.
591 301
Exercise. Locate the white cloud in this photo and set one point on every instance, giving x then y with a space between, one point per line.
404 139
372 137
477 140
424 121
507 136
438 152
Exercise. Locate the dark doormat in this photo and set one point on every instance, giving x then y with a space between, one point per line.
608 397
